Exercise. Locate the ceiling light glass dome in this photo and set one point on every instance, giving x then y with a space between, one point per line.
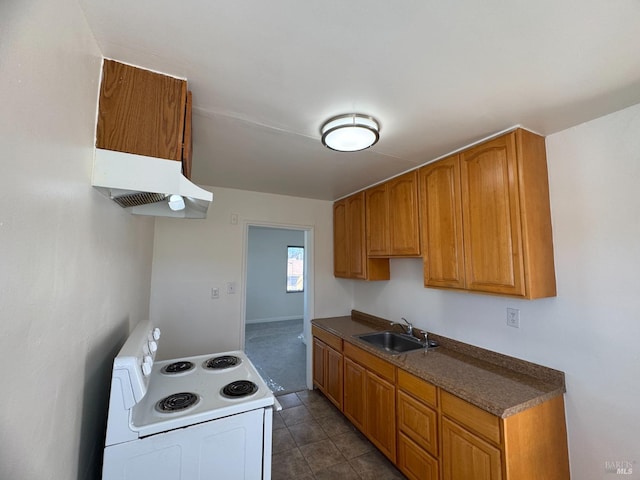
350 132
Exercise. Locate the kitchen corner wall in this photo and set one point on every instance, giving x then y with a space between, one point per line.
591 330
191 257
75 269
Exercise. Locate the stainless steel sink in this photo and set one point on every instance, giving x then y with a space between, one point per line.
391 342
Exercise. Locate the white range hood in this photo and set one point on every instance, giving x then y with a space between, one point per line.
148 185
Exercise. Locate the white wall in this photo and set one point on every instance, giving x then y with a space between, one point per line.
591 330
267 299
74 268
190 257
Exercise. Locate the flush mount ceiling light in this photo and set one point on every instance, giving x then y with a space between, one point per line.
350 132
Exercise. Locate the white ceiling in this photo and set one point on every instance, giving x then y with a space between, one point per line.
438 75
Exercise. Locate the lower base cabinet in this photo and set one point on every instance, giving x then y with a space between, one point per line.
369 398
328 366
430 434
467 456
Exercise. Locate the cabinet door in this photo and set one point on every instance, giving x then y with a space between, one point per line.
333 376
466 456
355 236
141 112
414 462
404 232
319 349
380 407
354 393
441 214
491 217
340 256
377 220
418 422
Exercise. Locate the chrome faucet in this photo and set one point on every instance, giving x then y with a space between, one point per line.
408 328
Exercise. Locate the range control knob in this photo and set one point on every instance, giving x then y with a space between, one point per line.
153 346
156 334
146 365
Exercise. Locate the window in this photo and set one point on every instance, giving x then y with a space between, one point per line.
295 269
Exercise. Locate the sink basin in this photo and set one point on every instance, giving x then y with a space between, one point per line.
391 342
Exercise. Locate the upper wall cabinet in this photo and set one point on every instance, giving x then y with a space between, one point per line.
392 217
349 242
441 224
145 113
486 222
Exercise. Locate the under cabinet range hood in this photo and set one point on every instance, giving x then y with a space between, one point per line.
148 185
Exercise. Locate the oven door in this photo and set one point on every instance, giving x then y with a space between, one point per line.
230 448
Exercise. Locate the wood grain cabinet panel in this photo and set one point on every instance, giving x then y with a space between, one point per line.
486 219
340 232
357 258
491 217
441 214
354 393
380 426
431 434
466 456
414 462
377 220
418 422
349 242
404 229
417 419
528 445
328 368
142 112
392 217
369 398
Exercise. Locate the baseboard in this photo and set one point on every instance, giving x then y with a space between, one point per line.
273 319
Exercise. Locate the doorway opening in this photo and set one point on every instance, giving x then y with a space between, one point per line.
276 304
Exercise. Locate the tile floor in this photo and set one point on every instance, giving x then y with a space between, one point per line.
312 440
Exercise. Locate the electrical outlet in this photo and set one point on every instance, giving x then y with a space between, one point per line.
513 317
215 293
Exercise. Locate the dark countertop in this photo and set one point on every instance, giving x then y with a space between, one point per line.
496 383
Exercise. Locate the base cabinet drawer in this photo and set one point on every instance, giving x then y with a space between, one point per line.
418 422
414 462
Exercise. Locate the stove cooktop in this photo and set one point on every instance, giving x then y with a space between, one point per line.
206 385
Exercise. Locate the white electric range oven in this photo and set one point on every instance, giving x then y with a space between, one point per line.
194 418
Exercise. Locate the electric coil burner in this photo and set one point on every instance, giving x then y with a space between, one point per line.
177 402
196 418
222 362
239 388
182 366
